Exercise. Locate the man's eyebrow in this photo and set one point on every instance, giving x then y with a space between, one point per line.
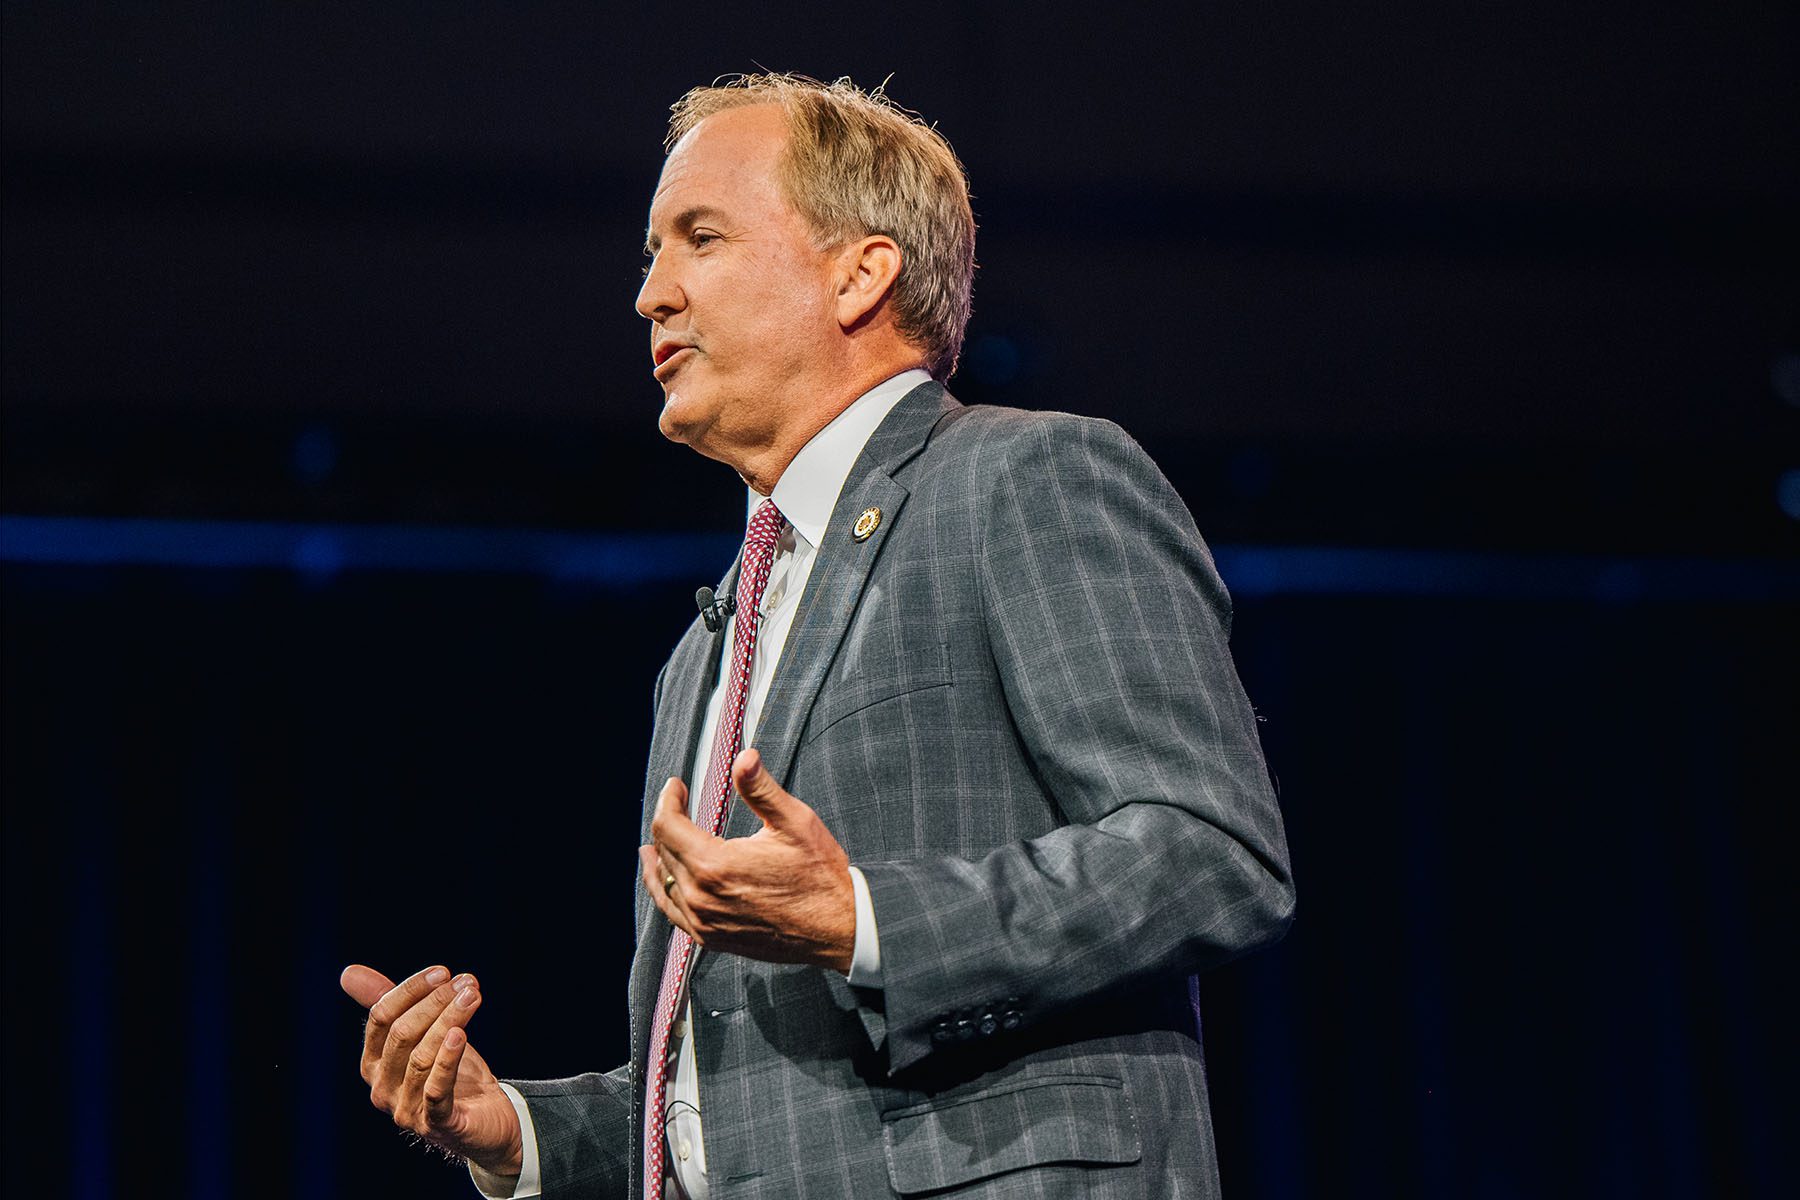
684 220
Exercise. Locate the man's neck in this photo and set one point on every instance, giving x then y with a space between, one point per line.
762 471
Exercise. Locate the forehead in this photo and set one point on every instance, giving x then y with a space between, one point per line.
726 164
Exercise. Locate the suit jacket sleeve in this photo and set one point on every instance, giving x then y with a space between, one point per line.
1109 628
584 1133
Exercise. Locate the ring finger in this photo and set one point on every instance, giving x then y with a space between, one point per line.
663 879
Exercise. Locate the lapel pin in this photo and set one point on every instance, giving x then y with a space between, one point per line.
866 524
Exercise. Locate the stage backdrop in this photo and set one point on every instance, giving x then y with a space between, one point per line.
1537 809
329 474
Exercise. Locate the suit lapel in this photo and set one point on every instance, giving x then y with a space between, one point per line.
839 575
687 686
832 592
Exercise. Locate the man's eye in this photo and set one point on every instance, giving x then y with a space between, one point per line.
698 239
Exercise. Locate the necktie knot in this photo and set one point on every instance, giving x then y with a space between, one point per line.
765 527
759 557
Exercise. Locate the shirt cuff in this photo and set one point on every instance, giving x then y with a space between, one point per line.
865 956
530 1181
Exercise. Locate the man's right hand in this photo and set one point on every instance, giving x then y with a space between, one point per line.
422 1071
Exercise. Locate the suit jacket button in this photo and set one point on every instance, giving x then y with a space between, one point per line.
965 1029
1010 1020
988 1024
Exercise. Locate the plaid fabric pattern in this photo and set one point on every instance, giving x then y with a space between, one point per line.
1014 705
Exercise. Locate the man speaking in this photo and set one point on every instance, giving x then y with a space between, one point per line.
952 790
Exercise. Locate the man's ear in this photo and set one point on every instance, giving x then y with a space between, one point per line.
867 269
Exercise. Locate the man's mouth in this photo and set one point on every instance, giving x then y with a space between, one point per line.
666 354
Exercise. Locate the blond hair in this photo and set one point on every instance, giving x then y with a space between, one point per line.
857 164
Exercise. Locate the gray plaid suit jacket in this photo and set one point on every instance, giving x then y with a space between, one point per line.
1016 708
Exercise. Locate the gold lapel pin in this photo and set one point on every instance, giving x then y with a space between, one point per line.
866 524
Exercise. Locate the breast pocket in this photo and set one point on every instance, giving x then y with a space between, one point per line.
871 682
1023 1123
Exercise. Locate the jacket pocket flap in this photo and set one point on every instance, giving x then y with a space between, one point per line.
1023 1123
856 690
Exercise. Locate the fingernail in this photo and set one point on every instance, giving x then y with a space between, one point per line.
467 997
462 981
437 975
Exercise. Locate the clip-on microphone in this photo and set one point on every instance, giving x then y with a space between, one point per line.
713 612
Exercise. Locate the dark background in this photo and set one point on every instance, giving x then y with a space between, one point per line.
340 549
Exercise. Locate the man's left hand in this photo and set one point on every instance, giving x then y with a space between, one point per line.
781 895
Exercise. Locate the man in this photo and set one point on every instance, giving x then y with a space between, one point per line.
999 793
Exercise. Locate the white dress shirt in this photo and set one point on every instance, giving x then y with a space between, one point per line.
806 493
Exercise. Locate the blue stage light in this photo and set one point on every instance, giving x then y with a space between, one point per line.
319 555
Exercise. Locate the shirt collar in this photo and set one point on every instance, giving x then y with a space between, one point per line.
808 490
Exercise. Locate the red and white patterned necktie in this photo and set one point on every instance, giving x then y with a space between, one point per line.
766 524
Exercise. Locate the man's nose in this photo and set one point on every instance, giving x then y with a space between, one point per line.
661 294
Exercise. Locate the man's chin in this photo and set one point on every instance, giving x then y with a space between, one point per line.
678 421
669 419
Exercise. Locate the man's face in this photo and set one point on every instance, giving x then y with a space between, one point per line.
739 300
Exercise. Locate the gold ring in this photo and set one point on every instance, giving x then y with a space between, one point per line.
668 883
